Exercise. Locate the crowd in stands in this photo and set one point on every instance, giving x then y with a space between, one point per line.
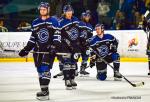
114 14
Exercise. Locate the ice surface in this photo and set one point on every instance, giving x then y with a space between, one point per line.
19 83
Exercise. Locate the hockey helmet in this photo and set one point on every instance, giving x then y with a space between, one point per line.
85 14
100 25
44 4
68 8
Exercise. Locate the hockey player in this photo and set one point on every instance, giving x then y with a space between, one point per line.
106 46
69 26
86 31
45 37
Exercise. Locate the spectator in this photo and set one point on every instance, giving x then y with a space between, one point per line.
102 10
119 21
141 6
121 2
148 7
92 6
147 3
137 19
24 26
126 8
2 28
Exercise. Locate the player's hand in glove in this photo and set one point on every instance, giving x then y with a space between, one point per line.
52 49
147 52
23 53
92 61
148 49
113 48
92 64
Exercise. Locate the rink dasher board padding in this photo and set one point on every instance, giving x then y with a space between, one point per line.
56 60
132 45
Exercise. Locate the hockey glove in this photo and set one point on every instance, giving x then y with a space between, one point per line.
92 61
148 51
88 52
23 53
52 49
113 48
76 56
92 64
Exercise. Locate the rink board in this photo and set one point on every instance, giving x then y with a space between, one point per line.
132 45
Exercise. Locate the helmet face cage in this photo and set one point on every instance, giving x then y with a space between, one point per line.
85 14
44 4
88 13
68 8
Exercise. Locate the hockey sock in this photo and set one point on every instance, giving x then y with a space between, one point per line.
116 66
44 84
66 74
72 73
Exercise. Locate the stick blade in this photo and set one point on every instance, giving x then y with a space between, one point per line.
138 84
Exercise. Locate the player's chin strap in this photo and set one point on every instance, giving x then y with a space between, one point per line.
133 84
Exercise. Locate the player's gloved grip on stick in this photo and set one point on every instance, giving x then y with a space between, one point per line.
92 64
113 48
148 49
23 53
92 60
148 52
52 49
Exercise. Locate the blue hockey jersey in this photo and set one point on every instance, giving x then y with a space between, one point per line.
70 34
103 45
86 30
44 34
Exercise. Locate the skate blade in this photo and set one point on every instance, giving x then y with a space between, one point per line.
43 98
82 75
68 88
117 79
74 87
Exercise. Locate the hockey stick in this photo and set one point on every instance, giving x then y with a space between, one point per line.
133 84
55 76
17 51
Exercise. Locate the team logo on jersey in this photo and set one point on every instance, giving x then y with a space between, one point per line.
84 34
73 33
103 50
43 35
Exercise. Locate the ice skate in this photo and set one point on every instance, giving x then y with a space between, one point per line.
59 74
68 85
43 95
117 76
83 73
73 83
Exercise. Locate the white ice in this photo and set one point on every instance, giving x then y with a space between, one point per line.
19 83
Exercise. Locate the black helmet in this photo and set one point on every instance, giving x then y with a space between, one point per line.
67 8
44 4
100 25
